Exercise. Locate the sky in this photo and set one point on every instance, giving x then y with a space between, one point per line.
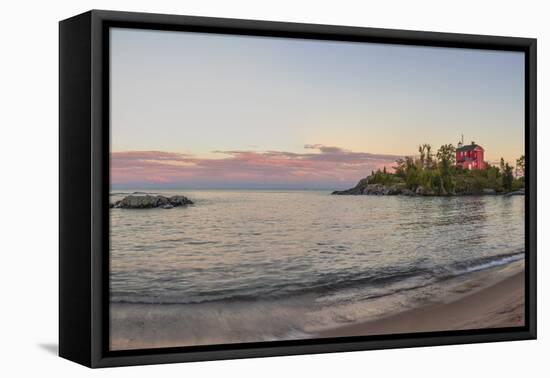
196 110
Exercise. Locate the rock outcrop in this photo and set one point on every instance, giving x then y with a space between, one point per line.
149 202
490 192
520 192
364 188
356 190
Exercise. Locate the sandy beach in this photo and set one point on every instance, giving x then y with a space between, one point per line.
499 304
489 298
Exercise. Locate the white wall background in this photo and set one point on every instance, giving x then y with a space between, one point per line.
29 186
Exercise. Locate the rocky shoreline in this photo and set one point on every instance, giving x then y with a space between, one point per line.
151 202
364 188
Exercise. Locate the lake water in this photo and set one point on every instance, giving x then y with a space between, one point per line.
289 262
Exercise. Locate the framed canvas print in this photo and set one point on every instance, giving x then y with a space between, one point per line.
234 188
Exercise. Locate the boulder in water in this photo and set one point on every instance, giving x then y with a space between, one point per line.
149 202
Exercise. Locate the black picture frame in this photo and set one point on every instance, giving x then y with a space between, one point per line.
84 187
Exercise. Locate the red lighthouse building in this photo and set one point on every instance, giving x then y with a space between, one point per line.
470 156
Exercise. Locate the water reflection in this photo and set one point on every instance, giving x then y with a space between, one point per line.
271 244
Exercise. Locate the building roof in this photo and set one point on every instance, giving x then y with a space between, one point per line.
469 147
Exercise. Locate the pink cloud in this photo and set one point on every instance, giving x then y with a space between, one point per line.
329 166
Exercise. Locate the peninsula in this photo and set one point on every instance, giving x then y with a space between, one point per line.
450 171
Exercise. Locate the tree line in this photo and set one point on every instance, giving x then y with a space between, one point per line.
437 173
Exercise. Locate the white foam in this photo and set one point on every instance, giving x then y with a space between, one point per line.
491 264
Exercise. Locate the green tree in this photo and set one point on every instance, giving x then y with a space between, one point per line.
447 154
412 180
400 168
493 178
507 177
446 157
422 155
520 166
429 156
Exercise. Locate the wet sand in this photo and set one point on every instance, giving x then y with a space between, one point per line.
488 298
500 305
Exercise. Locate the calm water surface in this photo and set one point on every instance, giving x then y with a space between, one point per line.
268 246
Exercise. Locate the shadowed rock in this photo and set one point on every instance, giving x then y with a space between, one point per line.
149 202
356 190
520 192
364 188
